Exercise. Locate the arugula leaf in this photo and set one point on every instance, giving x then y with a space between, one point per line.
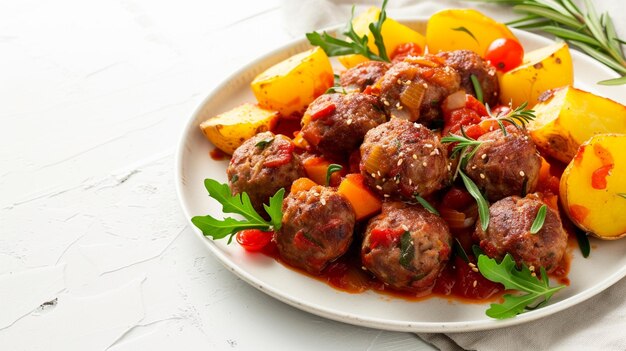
239 204
407 250
219 229
523 280
275 209
357 44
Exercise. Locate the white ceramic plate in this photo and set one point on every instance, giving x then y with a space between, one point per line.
605 266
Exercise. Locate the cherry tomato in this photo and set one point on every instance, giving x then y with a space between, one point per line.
457 199
505 54
253 239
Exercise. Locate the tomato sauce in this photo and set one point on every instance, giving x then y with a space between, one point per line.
218 155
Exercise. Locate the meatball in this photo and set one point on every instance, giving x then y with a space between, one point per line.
469 63
402 159
363 75
414 88
509 232
406 247
317 227
505 165
262 165
335 124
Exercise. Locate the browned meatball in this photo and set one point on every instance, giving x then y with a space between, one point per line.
363 75
400 159
335 124
317 227
262 165
505 165
414 88
406 247
469 63
509 231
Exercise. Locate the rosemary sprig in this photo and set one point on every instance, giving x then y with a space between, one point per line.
465 148
518 117
593 34
355 44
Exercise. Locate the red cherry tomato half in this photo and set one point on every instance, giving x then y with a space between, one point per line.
253 239
505 54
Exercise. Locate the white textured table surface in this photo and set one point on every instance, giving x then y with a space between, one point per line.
94 251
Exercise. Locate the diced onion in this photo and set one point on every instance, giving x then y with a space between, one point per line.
413 95
454 101
372 161
456 219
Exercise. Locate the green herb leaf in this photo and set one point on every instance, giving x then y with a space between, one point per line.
614 81
477 88
262 144
332 168
593 34
274 210
539 220
356 44
376 29
336 90
583 242
477 251
465 30
426 205
238 204
459 250
518 117
407 250
524 281
465 148
483 205
622 195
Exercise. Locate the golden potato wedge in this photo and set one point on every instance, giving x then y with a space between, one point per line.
569 116
227 131
456 29
593 186
393 33
546 68
291 85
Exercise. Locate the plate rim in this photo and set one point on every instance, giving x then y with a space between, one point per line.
322 311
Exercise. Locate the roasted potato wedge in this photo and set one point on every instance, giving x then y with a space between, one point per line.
593 187
543 69
569 116
227 131
291 85
393 32
468 29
